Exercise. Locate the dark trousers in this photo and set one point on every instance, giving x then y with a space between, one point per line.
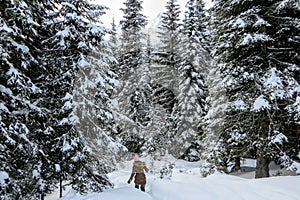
142 187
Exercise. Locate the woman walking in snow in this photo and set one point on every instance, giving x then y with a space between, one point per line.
138 173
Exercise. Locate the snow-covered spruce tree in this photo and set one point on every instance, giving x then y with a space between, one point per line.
158 132
22 117
95 83
215 122
293 130
113 40
285 47
73 58
164 76
131 45
132 95
259 85
191 100
202 25
169 34
107 86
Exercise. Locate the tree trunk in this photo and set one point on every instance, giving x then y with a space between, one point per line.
42 196
60 187
262 161
237 166
262 167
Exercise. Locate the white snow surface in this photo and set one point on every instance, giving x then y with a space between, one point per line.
186 183
4 27
3 107
261 103
3 176
240 23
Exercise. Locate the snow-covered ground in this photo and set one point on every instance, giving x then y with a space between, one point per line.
186 183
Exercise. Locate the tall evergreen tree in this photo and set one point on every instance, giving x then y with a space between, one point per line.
22 115
44 44
74 59
192 87
259 83
165 75
285 59
215 122
132 95
169 34
113 36
202 25
131 37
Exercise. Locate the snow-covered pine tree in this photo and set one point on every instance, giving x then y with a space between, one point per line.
41 44
202 24
131 36
75 65
191 100
22 116
108 84
158 132
257 83
113 40
95 83
164 75
132 95
215 122
285 57
169 35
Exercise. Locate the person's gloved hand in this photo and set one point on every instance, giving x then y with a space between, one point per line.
128 181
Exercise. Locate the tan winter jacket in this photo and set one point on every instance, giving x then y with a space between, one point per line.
138 172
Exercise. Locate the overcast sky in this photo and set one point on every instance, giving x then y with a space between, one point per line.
151 9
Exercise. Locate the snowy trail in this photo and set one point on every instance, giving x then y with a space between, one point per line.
187 184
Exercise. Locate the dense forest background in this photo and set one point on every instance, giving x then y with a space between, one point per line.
76 97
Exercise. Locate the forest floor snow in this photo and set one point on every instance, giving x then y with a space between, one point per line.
186 183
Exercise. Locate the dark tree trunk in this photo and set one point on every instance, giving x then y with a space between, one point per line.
60 187
262 161
262 167
42 196
237 166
